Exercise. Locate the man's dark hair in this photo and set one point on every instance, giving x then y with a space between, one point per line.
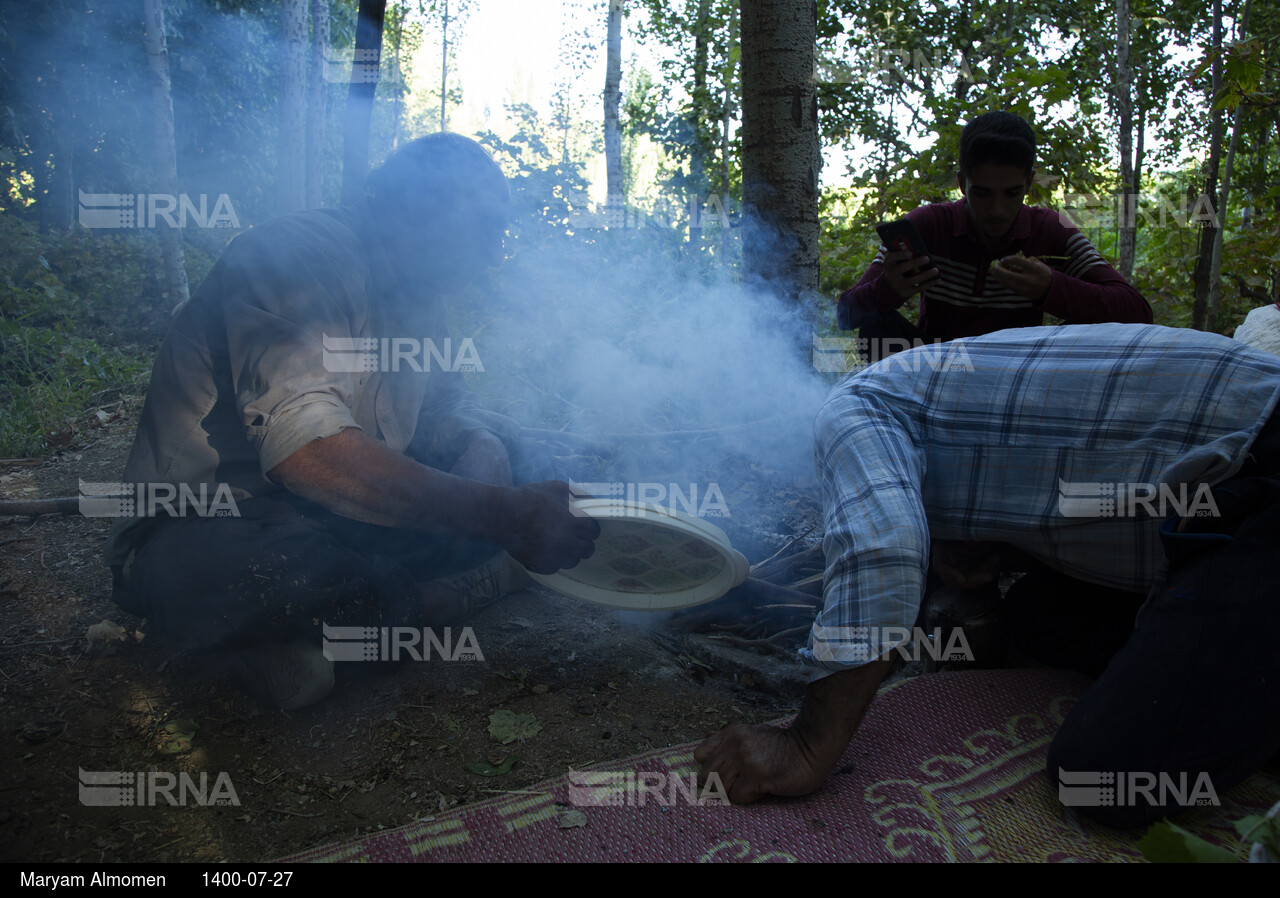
997 138
442 171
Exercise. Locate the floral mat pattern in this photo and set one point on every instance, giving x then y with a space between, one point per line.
946 767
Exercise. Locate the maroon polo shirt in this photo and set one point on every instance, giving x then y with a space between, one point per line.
966 300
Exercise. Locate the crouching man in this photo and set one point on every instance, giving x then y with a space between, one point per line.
363 493
1068 445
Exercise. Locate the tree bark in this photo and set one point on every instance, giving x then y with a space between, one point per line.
175 272
616 200
1124 105
1208 232
317 98
291 155
1215 259
444 69
364 82
700 102
780 147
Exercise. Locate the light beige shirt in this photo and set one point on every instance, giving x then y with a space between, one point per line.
254 365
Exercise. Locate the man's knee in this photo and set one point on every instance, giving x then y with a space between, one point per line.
1100 776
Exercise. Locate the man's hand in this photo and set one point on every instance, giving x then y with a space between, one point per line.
543 532
907 274
485 459
1026 277
755 761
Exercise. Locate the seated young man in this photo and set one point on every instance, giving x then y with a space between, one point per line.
993 262
1045 440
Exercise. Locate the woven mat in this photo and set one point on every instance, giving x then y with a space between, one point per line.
946 767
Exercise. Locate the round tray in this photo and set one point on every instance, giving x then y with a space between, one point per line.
650 559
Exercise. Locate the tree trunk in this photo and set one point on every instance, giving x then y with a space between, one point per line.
1124 105
726 112
1208 232
697 118
397 81
726 117
291 155
1215 260
175 272
364 82
616 200
444 68
316 103
780 147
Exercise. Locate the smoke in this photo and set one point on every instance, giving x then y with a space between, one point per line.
628 338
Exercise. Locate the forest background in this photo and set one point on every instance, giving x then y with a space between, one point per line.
628 147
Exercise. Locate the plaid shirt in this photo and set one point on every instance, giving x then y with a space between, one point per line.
1052 440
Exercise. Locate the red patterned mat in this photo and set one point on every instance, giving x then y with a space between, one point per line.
947 767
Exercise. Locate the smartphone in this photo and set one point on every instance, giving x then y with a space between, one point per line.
902 234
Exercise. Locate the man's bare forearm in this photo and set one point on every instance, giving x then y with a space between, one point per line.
759 760
358 477
832 710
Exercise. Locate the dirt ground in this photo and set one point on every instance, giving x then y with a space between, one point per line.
385 749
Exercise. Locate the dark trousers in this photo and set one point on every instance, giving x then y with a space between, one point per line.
1194 689
278 570
283 566
884 334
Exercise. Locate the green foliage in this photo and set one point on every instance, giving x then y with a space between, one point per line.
686 111
1167 843
546 194
900 81
75 329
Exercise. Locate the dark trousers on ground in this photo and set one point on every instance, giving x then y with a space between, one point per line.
283 566
1194 688
280 569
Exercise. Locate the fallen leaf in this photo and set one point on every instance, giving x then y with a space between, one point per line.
176 736
102 634
507 726
488 768
571 819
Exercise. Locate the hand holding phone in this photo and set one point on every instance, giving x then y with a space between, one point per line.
906 260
